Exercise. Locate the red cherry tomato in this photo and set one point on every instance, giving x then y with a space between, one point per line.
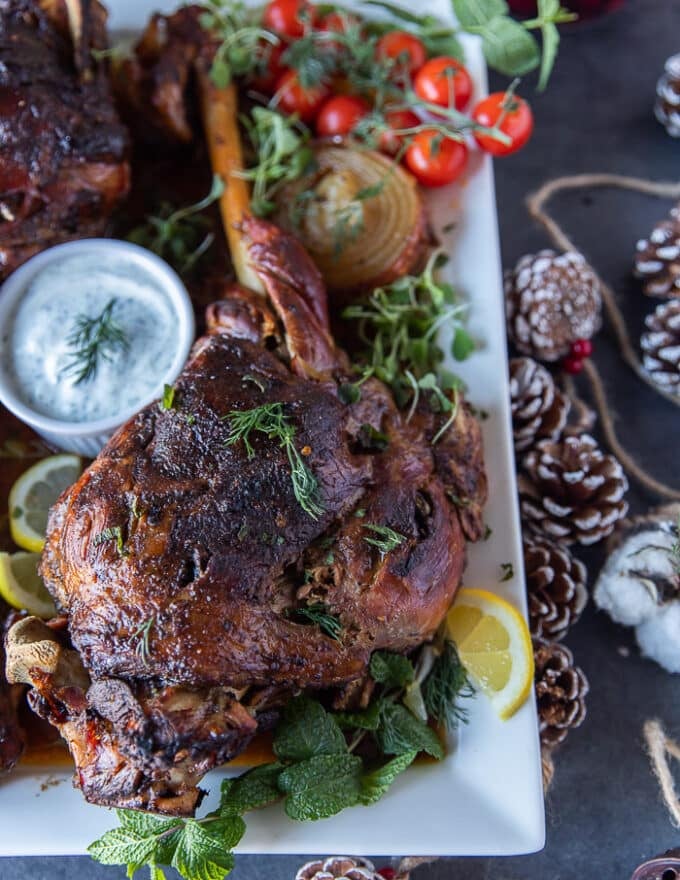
390 142
288 17
295 98
444 81
435 159
340 114
407 50
517 122
270 67
337 23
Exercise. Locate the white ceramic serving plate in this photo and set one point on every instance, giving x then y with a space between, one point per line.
486 797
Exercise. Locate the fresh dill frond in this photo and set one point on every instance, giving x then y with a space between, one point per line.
446 684
386 538
270 419
93 340
319 615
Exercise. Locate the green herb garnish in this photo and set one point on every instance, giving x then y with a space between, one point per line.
93 340
179 235
319 615
143 633
270 419
168 398
113 533
386 538
507 571
446 684
244 44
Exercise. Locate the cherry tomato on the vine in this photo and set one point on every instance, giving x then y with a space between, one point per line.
270 67
435 159
444 81
517 122
408 51
288 17
390 142
295 98
340 114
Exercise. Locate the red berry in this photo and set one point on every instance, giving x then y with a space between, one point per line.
387 873
572 365
581 348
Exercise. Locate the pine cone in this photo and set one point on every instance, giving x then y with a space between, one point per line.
561 690
667 107
660 345
551 301
556 584
657 258
571 491
338 868
539 409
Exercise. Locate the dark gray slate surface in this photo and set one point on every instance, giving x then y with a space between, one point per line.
604 812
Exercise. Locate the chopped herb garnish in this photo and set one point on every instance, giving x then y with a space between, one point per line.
143 633
93 340
270 419
386 539
319 615
113 533
360 513
488 531
180 235
255 380
168 399
445 685
134 510
191 419
507 571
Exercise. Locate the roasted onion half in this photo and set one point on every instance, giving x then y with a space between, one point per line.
359 215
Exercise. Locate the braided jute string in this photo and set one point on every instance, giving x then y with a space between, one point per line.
536 207
660 747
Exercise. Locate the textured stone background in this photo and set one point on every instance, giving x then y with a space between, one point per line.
604 812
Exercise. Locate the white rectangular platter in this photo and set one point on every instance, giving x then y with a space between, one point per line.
486 797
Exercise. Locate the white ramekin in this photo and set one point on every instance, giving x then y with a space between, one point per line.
87 438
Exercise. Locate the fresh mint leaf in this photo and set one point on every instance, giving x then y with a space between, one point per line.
203 851
474 14
254 789
508 47
392 670
375 784
463 344
321 786
366 719
307 730
122 846
402 732
144 824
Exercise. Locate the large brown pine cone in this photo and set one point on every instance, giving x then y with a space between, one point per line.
556 586
561 689
338 868
657 258
667 106
660 345
571 491
539 409
551 301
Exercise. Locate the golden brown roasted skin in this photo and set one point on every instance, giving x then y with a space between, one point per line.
196 607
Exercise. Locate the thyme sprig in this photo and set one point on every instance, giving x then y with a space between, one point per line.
179 235
92 340
271 420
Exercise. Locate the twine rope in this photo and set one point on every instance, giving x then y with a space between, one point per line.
536 206
659 748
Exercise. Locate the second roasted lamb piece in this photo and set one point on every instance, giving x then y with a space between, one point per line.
183 556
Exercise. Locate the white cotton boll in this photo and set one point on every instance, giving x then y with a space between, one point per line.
659 637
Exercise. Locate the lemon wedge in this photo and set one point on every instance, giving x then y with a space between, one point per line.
494 646
34 493
21 585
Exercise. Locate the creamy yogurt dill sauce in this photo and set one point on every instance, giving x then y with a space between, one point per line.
39 353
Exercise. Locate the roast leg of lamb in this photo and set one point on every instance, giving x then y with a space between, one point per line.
182 557
63 164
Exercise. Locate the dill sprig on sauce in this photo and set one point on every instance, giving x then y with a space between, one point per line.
93 340
270 419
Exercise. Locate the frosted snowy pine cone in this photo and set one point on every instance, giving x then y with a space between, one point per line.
667 106
561 689
660 345
657 258
571 491
551 301
539 409
338 868
556 587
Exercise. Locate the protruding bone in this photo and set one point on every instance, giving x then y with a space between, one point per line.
33 651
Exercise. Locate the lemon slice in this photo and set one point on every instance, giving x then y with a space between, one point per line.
34 493
494 646
21 585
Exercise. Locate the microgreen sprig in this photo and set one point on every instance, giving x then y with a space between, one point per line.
242 41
